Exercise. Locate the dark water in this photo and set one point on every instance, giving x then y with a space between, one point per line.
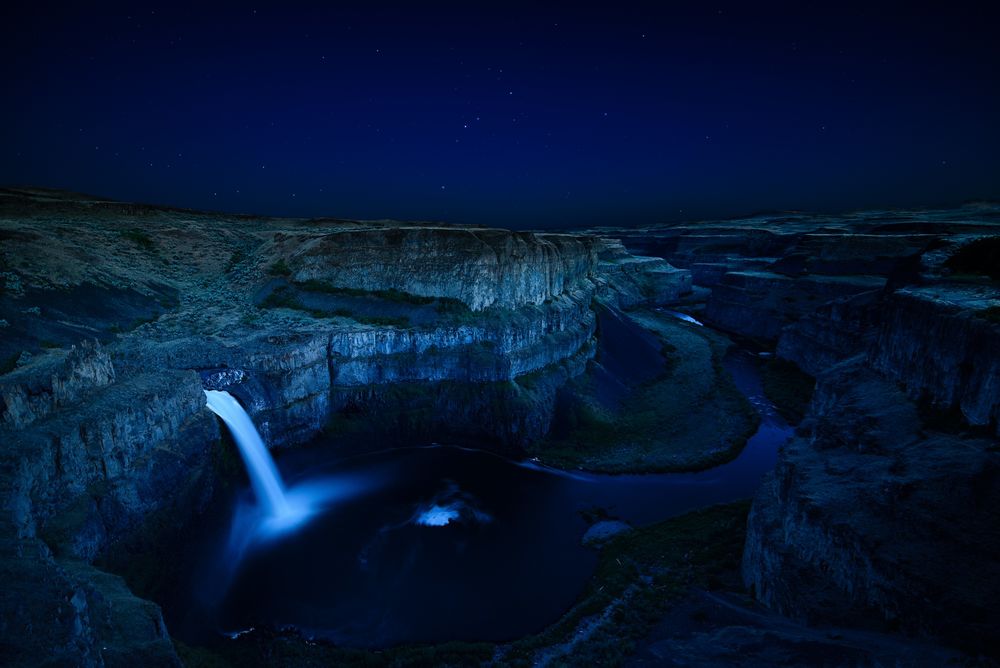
440 543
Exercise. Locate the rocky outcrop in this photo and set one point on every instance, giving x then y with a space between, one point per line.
628 280
836 331
28 394
506 416
104 440
871 519
90 472
759 304
937 342
866 516
480 267
695 246
851 253
79 479
66 612
497 346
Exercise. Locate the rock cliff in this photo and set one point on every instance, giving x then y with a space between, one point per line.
872 519
114 318
480 267
881 512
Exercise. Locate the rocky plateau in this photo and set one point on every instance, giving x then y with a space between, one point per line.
880 517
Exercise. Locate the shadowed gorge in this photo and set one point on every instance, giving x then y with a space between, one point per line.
481 335
334 439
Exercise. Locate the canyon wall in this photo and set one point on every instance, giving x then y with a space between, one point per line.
480 267
434 332
882 510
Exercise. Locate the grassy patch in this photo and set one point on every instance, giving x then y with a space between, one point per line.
981 257
691 417
647 436
279 268
637 577
139 238
285 297
281 297
139 322
287 648
236 258
442 304
992 314
9 363
788 387
384 320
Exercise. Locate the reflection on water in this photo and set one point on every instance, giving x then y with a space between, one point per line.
439 543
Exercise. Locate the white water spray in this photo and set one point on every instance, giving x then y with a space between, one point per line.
264 477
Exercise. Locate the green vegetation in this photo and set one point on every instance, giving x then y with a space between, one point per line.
638 575
58 532
139 322
9 363
991 313
285 297
140 238
394 295
280 649
688 418
282 297
442 304
788 387
981 257
236 258
279 268
383 320
453 307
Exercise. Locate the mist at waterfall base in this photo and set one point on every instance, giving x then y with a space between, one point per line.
432 543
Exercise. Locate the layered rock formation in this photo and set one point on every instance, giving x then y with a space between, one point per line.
940 343
872 519
769 271
881 512
119 316
480 267
113 317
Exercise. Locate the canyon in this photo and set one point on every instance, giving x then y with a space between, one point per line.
878 331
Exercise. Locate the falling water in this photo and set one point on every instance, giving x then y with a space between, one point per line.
264 476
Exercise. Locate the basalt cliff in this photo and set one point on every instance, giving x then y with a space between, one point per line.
114 317
882 510
878 335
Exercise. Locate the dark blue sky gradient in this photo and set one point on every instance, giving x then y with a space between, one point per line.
603 114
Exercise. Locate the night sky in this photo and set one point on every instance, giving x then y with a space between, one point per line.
612 114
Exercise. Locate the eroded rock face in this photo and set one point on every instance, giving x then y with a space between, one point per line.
66 612
933 341
880 511
113 456
836 331
100 439
480 267
759 304
870 519
29 394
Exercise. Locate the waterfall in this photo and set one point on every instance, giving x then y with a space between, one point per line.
264 477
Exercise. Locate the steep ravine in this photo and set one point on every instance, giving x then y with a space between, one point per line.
108 445
880 515
881 512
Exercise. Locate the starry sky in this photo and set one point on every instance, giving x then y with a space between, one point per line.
611 113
